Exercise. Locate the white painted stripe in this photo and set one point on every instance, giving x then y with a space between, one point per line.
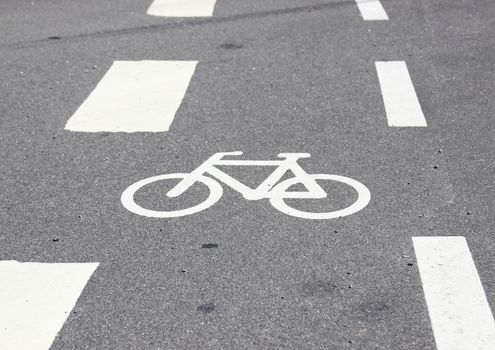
35 301
135 96
459 312
372 10
401 103
182 8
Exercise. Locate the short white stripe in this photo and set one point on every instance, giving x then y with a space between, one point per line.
372 10
460 315
182 8
135 96
35 301
399 97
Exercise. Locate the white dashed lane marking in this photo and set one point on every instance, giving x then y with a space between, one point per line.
135 96
372 10
399 97
460 315
182 8
36 299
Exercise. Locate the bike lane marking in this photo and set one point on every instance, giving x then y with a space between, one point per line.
459 311
36 299
372 10
270 189
399 97
181 8
135 96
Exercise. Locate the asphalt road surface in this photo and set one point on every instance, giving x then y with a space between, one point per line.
262 77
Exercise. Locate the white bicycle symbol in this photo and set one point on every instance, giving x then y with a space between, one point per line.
268 189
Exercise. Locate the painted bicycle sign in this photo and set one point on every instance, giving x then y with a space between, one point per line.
273 190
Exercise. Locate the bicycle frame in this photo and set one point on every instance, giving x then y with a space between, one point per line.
266 189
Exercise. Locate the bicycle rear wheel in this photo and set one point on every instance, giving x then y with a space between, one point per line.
128 202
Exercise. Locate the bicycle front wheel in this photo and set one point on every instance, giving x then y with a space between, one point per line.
127 198
362 201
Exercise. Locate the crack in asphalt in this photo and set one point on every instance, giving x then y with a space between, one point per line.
175 25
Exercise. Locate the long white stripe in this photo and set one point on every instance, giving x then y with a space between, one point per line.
372 10
401 103
35 301
135 96
182 8
459 312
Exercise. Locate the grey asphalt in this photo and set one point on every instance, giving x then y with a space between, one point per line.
273 76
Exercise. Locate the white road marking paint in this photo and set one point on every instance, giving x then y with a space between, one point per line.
372 10
401 103
270 189
135 96
35 301
459 312
182 8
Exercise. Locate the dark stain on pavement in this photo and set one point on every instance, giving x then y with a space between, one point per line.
231 46
206 308
373 309
209 245
318 288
